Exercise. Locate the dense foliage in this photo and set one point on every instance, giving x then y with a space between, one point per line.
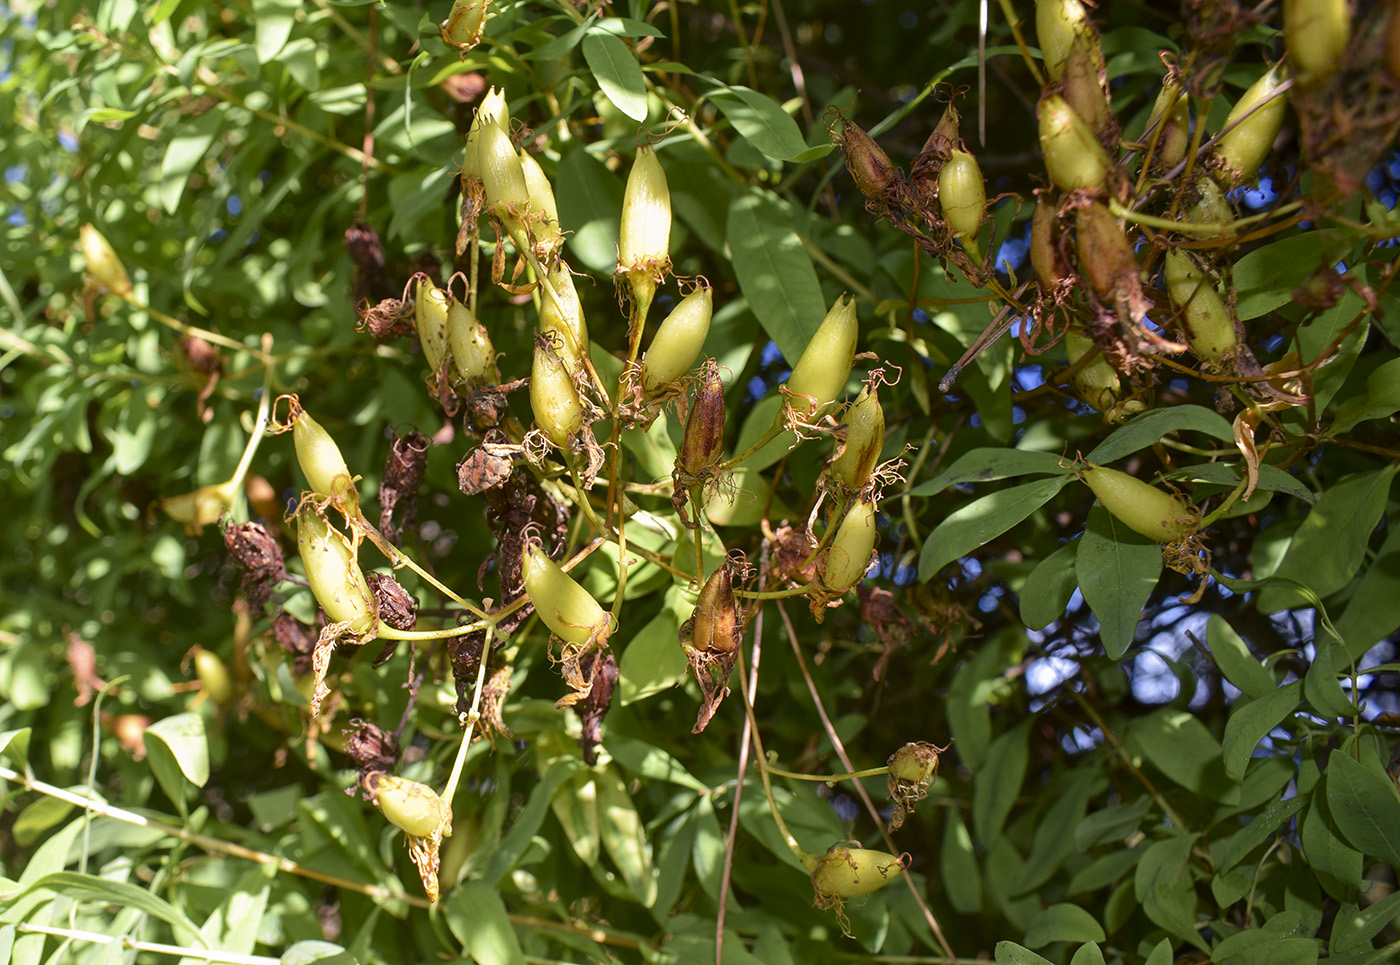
1086 344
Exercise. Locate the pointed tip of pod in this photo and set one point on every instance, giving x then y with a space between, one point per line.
102 262
821 373
644 234
678 340
1251 128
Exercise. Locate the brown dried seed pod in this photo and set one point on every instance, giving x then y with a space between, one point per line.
704 426
716 626
1105 256
870 167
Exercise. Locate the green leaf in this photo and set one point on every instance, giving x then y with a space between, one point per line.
645 760
1087 954
1271 478
1047 591
624 836
1320 335
1111 824
990 464
775 272
590 204
1179 745
1257 831
1261 947
1251 720
272 25
83 887
1337 865
958 864
1373 612
313 952
1143 430
982 520
1380 401
1354 928
615 68
1162 954
1117 571
653 661
1266 277
1054 833
1063 923
183 153
1235 660
14 744
996 786
1009 953
1328 548
765 125
1321 686
177 751
477 917
1364 806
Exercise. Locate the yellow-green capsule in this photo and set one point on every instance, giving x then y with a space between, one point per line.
1058 24
1073 157
473 355
563 604
492 110
1096 383
962 194
319 457
102 262
561 317
464 25
820 374
334 574
678 340
1171 120
1316 33
848 556
644 236
544 213
502 176
1210 330
413 807
1248 139
1142 507
865 437
553 399
851 872
430 311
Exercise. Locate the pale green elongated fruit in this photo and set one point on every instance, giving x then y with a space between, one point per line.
851 872
1208 204
1171 117
553 398
821 373
564 318
1140 506
1096 383
865 437
430 310
213 676
320 459
202 507
678 340
1073 157
1209 329
473 355
1316 33
492 110
102 262
566 607
848 556
962 194
413 807
335 576
464 25
1058 23
544 220
1082 84
502 176
644 236
1243 147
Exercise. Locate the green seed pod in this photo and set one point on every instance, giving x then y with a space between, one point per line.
213 675
848 557
868 164
679 339
1083 88
491 110
335 576
502 176
914 763
715 626
473 355
320 459
962 195
1316 33
821 373
566 608
430 310
1206 321
1097 382
1142 507
544 222
644 236
102 262
1170 115
1058 24
704 426
553 398
1073 156
865 437
1243 146
564 317
1105 256
413 807
1047 261
201 508
1207 203
464 25
851 872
